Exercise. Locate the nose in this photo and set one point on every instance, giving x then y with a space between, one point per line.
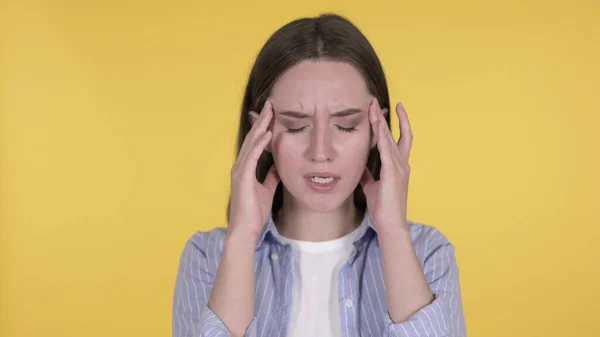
321 147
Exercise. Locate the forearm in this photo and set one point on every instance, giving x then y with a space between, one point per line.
232 297
407 289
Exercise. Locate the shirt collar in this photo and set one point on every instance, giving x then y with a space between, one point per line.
270 229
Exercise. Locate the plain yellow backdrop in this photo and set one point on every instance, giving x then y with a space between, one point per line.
117 132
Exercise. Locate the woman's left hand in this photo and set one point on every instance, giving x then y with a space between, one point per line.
387 197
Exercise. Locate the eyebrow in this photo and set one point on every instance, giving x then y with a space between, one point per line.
341 113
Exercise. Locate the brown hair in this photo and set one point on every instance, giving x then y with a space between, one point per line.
326 37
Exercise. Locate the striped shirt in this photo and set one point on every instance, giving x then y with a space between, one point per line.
360 283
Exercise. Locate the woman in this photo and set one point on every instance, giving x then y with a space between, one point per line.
318 242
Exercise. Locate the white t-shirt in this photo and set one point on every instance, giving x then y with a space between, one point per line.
316 308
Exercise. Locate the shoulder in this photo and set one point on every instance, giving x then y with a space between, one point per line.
201 255
205 244
421 232
203 239
428 240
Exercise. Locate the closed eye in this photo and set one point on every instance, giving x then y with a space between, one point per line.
343 129
293 131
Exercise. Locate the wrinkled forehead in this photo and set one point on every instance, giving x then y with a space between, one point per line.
320 86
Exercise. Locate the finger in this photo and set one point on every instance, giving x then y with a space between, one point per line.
386 143
387 132
251 159
257 130
264 119
389 139
395 155
386 149
272 179
373 119
261 124
367 178
406 135
383 143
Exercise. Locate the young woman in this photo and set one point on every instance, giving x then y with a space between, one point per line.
318 242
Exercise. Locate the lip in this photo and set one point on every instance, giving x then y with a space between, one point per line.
318 187
324 174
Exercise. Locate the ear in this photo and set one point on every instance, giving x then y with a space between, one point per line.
373 141
384 112
253 117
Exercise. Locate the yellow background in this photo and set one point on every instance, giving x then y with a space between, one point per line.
117 130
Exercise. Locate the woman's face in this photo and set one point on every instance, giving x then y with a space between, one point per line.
321 132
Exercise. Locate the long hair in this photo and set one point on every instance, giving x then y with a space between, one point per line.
326 37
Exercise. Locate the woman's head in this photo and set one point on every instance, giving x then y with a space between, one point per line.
320 76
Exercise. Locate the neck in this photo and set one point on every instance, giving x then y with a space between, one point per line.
297 222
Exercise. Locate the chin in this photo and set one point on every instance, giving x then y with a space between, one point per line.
322 207
323 203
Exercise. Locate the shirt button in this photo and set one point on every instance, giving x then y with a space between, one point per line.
348 303
274 256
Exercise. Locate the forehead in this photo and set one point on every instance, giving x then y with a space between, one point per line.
320 83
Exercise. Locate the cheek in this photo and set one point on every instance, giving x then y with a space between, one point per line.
353 154
286 149
356 145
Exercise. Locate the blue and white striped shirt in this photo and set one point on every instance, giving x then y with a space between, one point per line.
360 280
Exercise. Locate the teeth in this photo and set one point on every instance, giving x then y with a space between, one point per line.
321 180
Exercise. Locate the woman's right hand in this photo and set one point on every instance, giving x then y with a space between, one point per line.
251 201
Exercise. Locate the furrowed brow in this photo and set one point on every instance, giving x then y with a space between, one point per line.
346 112
294 114
341 113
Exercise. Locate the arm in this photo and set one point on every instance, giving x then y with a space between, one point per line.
227 306
422 289
422 300
209 306
232 298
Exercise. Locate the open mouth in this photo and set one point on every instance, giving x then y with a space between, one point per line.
322 180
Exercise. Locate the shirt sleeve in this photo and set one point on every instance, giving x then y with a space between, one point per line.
197 268
444 317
